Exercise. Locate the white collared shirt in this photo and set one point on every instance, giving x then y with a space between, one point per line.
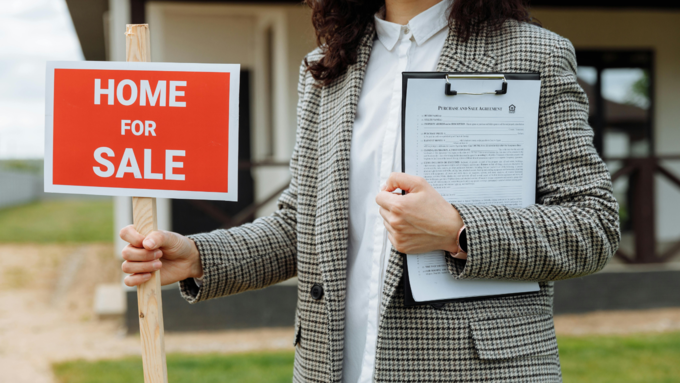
374 155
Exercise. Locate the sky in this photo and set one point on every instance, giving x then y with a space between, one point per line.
32 32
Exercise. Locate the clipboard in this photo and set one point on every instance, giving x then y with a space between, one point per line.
450 90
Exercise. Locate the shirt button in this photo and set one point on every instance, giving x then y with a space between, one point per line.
316 292
406 30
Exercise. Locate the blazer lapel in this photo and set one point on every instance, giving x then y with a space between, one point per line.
469 56
336 118
456 56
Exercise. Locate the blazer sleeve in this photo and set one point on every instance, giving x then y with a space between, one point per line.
573 230
254 255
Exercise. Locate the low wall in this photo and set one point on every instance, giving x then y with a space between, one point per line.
628 290
275 306
270 307
17 188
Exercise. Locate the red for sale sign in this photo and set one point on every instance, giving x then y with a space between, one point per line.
142 129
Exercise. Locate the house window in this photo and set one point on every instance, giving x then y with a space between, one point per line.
619 89
618 85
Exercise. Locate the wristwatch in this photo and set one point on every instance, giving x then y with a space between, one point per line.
461 241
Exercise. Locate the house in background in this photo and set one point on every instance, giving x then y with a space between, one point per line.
622 44
641 139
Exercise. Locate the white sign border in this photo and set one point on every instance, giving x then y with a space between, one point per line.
232 69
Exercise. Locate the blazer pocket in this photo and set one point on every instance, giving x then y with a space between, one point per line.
508 338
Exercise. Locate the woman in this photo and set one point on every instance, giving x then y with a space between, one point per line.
335 220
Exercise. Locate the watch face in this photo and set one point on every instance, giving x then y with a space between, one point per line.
462 240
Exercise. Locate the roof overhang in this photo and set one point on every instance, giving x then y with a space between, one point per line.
89 15
88 20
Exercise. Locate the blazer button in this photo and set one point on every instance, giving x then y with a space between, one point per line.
316 292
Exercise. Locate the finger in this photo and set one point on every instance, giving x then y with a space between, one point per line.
387 200
157 239
403 181
393 222
141 267
389 228
137 279
392 240
398 246
386 215
130 235
131 253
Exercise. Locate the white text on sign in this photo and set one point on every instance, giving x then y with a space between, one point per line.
138 127
128 164
142 92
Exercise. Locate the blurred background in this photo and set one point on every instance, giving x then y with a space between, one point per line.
65 315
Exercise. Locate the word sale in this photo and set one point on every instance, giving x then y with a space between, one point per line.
128 164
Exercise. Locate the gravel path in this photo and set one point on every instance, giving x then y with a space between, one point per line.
45 318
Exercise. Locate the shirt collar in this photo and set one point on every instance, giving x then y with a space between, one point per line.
423 26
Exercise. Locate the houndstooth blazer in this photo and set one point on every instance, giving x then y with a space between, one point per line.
571 232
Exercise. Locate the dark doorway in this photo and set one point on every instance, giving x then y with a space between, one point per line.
194 216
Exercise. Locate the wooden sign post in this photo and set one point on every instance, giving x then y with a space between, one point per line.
149 301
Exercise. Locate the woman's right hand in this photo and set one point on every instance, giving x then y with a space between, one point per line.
175 255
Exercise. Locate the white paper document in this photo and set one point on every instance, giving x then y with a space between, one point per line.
474 150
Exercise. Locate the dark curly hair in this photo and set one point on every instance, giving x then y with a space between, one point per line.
340 24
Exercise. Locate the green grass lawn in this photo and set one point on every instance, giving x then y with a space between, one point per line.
59 221
638 358
182 368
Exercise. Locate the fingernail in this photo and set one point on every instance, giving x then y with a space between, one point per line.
383 186
157 265
157 254
149 243
147 277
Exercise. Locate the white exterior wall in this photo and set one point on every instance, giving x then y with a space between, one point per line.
227 33
635 29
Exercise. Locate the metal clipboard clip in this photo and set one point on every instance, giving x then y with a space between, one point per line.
449 92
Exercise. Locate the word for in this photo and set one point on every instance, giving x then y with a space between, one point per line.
141 93
146 128
128 164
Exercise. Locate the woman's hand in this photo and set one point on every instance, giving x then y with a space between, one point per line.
419 221
175 255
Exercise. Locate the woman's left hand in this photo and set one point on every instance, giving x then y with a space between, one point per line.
420 221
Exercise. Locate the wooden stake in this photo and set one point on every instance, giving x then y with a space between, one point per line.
150 305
